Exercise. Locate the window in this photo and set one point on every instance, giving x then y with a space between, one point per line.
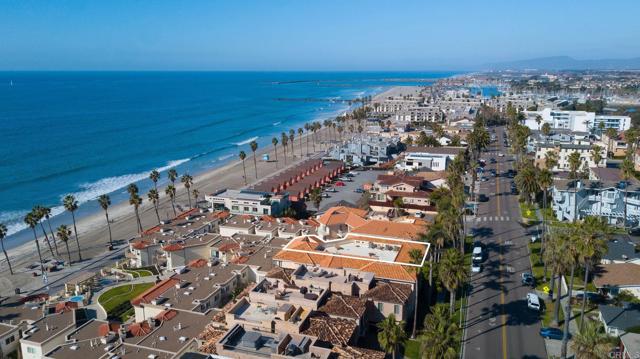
396 309
234 208
246 209
9 340
380 306
31 350
265 211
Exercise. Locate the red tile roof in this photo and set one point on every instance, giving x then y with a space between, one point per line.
173 247
139 329
154 292
166 315
66 307
106 328
198 263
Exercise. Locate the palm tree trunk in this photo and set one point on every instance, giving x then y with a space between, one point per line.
244 170
544 208
138 220
556 314
35 237
53 237
155 206
430 289
255 164
567 316
6 256
173 205
68 251
452 300
553 285
307 144
300 146
75 232
625 204
584 294
189 197
275 151
106 215
46 237
415 309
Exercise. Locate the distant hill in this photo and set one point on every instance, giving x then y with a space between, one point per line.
565 63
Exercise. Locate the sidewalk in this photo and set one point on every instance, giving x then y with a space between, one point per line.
554 347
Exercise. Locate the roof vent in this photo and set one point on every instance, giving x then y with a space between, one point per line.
162 339
73 347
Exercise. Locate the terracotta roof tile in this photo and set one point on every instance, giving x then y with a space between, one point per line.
390 229
344 306
352 217
389 292
336 331
173 247
154 292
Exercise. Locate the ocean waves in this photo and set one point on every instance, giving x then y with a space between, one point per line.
246 142
87 192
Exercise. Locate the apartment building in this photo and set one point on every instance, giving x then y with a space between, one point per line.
432 158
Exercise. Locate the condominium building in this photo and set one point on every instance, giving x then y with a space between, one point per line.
433 158
249 202
604 194
575 120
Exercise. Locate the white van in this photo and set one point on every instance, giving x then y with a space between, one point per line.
533 302
477 254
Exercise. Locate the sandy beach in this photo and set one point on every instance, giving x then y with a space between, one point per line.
92 230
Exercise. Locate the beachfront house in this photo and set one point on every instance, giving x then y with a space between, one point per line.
255 203
432 158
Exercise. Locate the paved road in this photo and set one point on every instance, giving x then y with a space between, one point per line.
499 324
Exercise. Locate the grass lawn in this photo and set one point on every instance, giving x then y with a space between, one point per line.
528 211
412 349
115 301
547 316
137 273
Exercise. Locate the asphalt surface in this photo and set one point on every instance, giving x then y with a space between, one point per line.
499 324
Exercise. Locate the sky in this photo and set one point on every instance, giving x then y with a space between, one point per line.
298 35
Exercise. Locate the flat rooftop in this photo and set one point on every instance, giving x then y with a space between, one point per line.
173 333
49 326
13 310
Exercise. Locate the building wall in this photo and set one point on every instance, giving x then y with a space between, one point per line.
10 341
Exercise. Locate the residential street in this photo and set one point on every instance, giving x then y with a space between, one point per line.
499 324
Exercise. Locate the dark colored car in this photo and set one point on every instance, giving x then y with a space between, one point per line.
552 333
493 160
528 279
634 231
483 198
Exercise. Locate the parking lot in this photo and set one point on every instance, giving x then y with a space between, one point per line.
348 191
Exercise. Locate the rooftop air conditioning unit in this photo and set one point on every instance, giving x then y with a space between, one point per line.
73 347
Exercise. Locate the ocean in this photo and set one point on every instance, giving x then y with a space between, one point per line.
91 133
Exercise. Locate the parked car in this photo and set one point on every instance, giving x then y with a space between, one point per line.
500 154
551 333
331 189
493 160
528 279
634 231
358 190
483 197
476 267
325 195
533 302
418 214
340 184
477 254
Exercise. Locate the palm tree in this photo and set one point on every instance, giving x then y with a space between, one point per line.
46 211
628 171
316 197
254 147
591 342
391 335
283 141
3 234
307 127
292 135
155 176
574 161
545 180
196 194
452 274
538 121
546 129
243 156
136 201
132 189
274 141
591 247
596 154
37 212
550 160
612 134
32 221
440 335
527 182
187 181
171 192
70 204
554 256
154 198
415 256
105 202
571 253
64 233
300 132
173 176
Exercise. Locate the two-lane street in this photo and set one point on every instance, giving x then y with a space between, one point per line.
499 324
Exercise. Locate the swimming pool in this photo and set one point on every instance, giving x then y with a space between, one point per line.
77 298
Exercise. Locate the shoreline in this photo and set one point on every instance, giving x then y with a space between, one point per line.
93 232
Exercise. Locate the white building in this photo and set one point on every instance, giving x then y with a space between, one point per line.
581 121
433 158
564 150
602 195
249 202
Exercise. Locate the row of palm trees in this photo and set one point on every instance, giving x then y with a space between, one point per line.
39 214
334 128
441 336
